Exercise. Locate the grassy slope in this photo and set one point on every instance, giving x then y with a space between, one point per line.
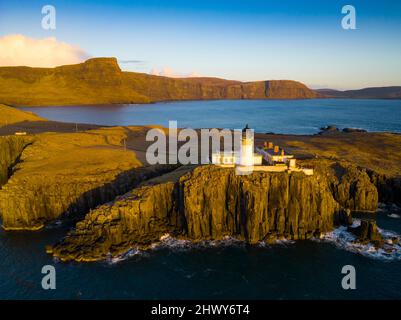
9 115
379 152
101 81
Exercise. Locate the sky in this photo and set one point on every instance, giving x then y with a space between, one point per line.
244 40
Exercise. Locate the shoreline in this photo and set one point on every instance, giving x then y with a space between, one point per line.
93 173
194 100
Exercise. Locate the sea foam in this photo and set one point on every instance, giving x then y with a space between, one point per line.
344 239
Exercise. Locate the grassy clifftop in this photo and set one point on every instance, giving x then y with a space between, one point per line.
101 81
9 115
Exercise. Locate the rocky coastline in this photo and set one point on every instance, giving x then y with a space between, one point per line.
99 179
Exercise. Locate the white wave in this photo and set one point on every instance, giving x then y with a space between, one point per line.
393 215
343 239
124 256
168 241
284 242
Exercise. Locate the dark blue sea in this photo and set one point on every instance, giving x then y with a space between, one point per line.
286 270
278 116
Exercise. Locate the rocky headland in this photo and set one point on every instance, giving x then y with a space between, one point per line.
206 203
48 176
99 177
101 81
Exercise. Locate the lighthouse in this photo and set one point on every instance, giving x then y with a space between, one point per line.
246 150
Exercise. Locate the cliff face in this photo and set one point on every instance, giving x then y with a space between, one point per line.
206 204
258 207
388 188
52 175
42 200
101 81
361 166
139 217
66 175
96 81
11 148
351 186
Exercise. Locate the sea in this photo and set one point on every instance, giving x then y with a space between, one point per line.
278 116
228 269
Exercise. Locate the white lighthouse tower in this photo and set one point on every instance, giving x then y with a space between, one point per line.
246 150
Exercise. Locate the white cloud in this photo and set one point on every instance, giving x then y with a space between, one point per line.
168 72
18 50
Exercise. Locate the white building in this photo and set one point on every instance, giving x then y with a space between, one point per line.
245 157
246 161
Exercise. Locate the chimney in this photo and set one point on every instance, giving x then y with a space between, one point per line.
276 149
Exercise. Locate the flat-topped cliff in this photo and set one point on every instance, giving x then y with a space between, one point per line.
101 81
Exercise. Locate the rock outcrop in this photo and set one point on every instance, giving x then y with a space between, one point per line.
138 218
208 203
368 232
353 189
101 81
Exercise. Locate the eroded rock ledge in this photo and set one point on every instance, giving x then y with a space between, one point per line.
207 203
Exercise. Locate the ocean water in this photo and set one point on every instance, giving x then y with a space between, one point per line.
229 270
288 270
278 116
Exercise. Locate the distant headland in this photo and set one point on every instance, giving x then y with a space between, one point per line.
98 179
101 81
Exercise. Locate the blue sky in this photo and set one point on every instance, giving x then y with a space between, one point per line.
244 40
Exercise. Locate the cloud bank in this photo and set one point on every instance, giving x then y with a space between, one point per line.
168 72
18 50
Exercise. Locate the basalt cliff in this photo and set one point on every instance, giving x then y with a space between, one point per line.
101 81
50 176
100 179
208 203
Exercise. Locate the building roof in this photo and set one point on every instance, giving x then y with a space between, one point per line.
271 152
